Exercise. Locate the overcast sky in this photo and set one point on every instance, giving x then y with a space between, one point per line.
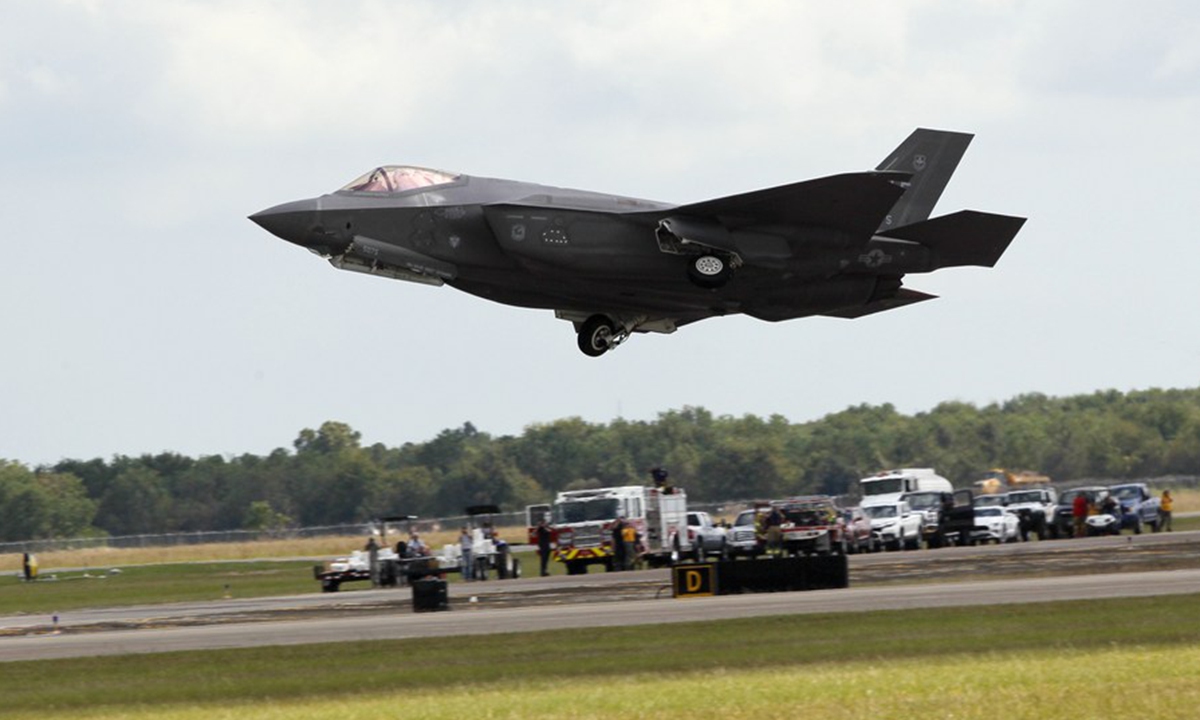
142 311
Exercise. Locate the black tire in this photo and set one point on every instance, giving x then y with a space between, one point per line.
709 271
595 335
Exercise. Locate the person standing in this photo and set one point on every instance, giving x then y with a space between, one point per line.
774 525
1079 513
372 549
629 535
1165 506
618 543
544 537
661 482
465 545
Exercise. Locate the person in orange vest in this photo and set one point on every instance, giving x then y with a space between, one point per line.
1165 506
617 531
629 539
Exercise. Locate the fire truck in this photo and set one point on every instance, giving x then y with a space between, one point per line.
583 521
812 524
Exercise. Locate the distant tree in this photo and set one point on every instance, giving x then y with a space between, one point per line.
332 437
261 516
329 478
136 502
42 504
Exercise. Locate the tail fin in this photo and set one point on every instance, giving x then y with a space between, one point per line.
931 156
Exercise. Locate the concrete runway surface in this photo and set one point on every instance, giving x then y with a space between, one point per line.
388 615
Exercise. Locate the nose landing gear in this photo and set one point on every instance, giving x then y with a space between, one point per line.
599 334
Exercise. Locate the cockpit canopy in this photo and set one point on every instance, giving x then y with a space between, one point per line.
399 178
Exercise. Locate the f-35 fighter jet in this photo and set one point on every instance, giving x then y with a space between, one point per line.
613 266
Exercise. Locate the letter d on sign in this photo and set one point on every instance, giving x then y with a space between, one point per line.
694 580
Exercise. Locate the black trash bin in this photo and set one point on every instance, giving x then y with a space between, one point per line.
429 594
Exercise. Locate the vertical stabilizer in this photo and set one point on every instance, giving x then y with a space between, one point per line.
931 156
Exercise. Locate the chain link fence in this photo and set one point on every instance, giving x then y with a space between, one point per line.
723 510
500 520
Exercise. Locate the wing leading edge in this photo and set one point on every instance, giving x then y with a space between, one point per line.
852 202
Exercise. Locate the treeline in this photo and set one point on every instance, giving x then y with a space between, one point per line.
328 476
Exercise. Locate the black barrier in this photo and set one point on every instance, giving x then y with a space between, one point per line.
429 594
820 572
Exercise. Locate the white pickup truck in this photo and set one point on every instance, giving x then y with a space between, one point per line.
706 537
1038 504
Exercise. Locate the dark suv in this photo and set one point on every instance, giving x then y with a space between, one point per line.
1063 524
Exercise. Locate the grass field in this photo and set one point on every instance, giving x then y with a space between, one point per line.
149 584
176 582
1135 658
1139 657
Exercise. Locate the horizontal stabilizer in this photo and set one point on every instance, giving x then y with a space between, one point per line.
902 298
967 237
853 202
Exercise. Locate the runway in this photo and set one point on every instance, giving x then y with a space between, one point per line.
398 621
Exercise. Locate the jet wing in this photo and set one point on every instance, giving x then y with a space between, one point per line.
854 202
902 298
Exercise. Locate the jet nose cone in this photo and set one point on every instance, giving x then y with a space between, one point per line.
294 221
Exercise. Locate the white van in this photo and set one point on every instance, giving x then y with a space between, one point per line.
889 485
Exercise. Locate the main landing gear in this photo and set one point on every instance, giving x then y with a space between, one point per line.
709 271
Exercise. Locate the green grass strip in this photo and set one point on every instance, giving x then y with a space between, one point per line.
864 652
150 584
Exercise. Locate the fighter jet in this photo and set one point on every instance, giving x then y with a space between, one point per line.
836 246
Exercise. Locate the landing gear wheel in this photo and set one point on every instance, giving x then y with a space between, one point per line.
596 336
708 271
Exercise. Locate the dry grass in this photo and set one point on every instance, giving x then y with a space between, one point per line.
319 547
1186 500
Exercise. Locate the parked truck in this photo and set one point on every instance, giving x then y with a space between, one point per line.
1035 508
706 536
812 524
583 521
1062 525
887 486
1139 507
